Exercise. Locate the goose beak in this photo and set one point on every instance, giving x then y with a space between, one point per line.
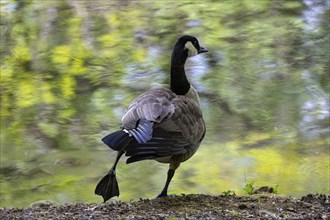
203 50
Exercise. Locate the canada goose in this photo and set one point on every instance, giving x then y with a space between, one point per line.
165 125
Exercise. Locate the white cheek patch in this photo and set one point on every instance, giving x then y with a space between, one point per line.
192 51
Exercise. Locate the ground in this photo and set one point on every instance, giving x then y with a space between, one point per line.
258 206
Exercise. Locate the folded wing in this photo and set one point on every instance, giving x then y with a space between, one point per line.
162 124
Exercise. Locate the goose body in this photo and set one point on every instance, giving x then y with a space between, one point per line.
162 124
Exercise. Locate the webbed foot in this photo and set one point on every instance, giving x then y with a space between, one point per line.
108 186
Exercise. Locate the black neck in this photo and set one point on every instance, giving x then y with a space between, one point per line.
179 82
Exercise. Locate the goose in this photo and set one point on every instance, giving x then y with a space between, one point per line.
161 124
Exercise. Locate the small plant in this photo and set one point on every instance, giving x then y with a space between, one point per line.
249 188
275 189
228 193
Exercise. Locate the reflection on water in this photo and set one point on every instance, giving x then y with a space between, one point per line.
68 176
70 69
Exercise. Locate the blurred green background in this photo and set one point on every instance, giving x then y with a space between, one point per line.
69 69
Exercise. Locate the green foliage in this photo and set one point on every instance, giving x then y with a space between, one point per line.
249 188
275 189
228 193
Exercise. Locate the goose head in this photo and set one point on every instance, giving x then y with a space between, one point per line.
191 45
187 46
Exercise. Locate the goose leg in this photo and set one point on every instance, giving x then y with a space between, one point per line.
108 186
174 164
170 174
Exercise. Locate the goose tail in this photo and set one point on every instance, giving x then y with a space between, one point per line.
117 140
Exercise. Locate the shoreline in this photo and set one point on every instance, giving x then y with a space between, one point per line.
192 206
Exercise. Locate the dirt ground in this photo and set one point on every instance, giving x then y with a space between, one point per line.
259 206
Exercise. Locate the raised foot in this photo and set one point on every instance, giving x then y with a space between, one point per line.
108 186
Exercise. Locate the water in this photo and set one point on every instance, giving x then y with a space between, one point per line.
68 176
263 86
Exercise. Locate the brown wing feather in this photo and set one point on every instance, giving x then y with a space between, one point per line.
154 106
188 117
